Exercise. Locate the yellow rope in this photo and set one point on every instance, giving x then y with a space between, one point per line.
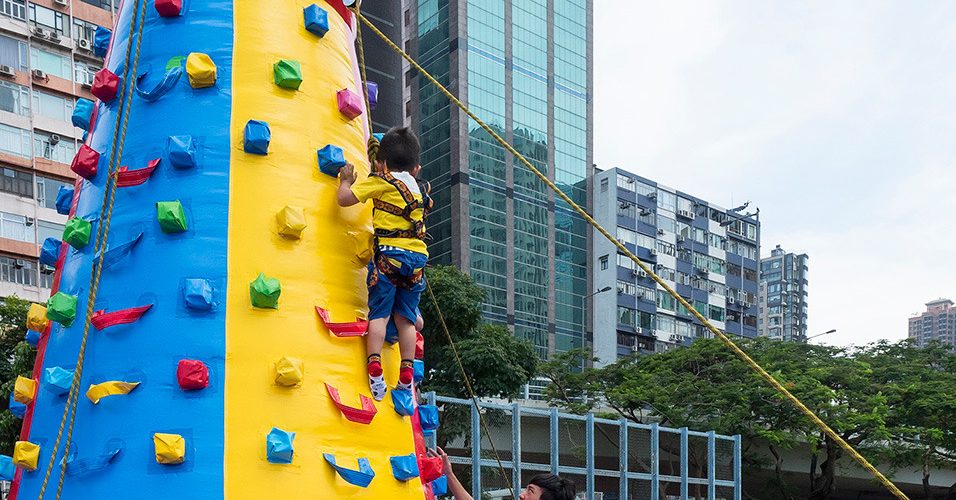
361 60
620 246
106 214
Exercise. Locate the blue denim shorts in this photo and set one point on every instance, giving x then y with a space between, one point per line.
384 298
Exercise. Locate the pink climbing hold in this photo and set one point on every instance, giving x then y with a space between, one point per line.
169 8
350 104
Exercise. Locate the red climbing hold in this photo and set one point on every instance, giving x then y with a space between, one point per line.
361 416
126 177
102 319
429 468
105 85
169 8
192 375
419 346
85 162
355 329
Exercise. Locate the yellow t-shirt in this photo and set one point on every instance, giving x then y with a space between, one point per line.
373 187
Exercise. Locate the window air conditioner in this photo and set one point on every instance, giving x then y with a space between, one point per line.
30 221
54 139
620 289
639 330
7 71
84 44
653 251
53 36
61 3
652 196
731 300
624 205
39 74
20 263
660 232
635 348
38 31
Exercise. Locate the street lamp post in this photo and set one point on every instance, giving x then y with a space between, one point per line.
819 335
588 334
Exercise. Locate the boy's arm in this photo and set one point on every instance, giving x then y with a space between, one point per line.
454 485
347 177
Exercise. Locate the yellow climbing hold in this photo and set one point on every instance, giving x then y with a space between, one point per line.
201 70
170 448
24 390
26 454
36 318
291 222
96 392
289 372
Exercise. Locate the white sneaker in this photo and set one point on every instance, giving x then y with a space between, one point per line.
403 387
378 387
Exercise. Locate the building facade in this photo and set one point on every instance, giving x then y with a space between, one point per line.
524 67
385 67
782 312
706 253
937 323
46 64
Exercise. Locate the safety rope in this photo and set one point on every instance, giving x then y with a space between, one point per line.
361 60
106 214
862 461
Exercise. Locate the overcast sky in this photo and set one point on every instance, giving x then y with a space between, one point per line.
837 119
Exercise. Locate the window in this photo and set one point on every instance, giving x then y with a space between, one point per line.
16 227
52 106
83 73
666 200
51 63
604 184
14 98
13 52
685 205
665 301
16 182
666 223
83 30
51 147
626 209
715 313
666 273
47 188
666 248
626 316
16 9
666 324
626 235
15 141
644 293
625 262
103 4
46 276
750 274
625 183
20 271
715 240
626 288
603 260
47 18
47 229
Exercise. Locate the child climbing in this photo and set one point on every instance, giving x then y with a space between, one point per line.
396 275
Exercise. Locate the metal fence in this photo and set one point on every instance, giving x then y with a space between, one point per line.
607 459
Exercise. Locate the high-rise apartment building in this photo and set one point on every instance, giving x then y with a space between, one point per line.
524 67
783 296
46 63
708 254
385 67
937 323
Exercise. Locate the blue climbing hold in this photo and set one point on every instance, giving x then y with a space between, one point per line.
197 294
57 380
181 151
418 370
440 486
404 402
256 137
32 337
404 467
101 41
17 408
64 200
50 252
316 20
82 111
279 448
7 469
331 159
428 417
361 477
378 136
372 89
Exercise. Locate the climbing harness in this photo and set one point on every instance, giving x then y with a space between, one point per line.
411 204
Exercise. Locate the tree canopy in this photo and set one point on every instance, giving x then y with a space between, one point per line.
16 358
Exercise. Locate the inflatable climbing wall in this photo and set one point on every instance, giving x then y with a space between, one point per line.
224 357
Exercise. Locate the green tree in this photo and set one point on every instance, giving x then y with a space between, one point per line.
16 358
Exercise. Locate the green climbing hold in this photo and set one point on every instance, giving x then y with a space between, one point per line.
172 217
288 74
175 62
61 308
77 232
265 292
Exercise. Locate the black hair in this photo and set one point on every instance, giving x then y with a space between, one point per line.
553 487
399 149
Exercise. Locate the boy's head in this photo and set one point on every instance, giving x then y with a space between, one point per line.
399 150
548 487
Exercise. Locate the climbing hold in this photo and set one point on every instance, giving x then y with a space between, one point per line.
372 89
82 111
291 222
50 251
17 408
160 88
57 380
350 104
7 469
127 178
265 291
115 254
289 372
171 216
362 415
85 162
316 20
102 319
361 477
26 454
96 392
79 467
430 468
192 375
256 137
201 70
197 293
36 318
418 370
76 232
419 345
181 151
403 401
404 467
440 486
64 200
61 308
428 417
169 8
279 448
24 390
331 159
287 73
378 136
105 85
170 449
32 338
101 41
356 328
